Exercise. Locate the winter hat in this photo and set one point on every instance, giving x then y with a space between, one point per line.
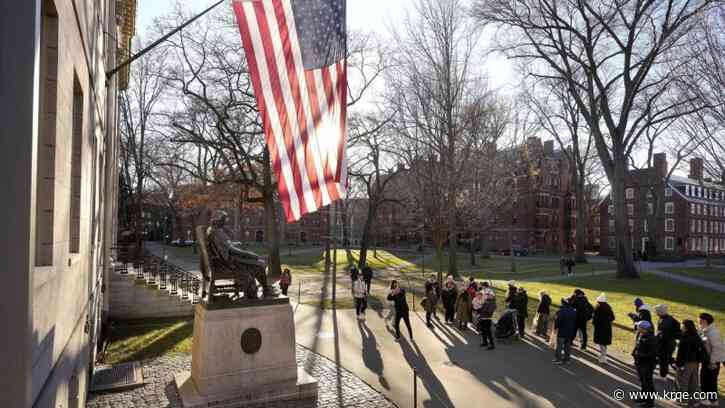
512 283
644 307
644 325
638 302
661 309
578 292
489 293
449 278
602 298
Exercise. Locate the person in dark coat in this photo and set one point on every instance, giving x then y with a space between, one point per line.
485 316
285 280
668 332
690 354
353 273
464 310
641 312
520 302
565 326
542 315
472 287
645 359
511 292
367 276
432 294
602 321
584 311
449 294
397 296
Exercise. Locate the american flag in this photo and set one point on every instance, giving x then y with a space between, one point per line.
296 54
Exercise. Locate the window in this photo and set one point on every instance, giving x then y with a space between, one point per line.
629 193
669 208
76 168
693 209
688 191
45 176
611 226
669 243
669 225
630 209
644 226
630 223
693 226
612 242
650 209
668 192
699 226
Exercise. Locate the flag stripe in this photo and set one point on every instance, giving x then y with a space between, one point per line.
278 101
302 148
255 73
342 104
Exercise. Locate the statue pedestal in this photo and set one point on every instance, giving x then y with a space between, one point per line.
244 354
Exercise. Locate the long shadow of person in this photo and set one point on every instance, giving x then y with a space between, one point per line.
371 355
438 394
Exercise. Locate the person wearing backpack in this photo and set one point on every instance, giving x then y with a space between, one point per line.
690 354
584 312
285 280
668 332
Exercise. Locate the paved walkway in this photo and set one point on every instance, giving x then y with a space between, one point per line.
689 280
338 387
454 371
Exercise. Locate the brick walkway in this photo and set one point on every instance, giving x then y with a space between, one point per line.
337 387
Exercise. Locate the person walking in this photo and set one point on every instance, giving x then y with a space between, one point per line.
542 315
449 295
432 294
285 280
562 266
570 266
641 312
464 309
359 293
485 316
690 354
602 320
400 304
668 332
645 359
472 287
353 273
565 327
584 311
716 355
521 304
367 273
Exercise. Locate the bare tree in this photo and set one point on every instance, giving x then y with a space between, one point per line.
619 60
438 97
374 165
138 106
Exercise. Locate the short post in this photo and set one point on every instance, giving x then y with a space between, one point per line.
415 388
299 291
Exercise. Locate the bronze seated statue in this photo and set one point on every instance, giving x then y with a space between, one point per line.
242 272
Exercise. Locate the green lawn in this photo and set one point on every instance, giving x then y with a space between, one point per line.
716 275
148 338
315 261
684 301
499 267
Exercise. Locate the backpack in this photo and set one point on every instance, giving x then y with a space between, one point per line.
587 310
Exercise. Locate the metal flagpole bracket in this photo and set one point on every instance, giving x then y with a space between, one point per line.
141 53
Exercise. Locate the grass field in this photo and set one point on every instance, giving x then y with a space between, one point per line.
314 261
715 275
135 340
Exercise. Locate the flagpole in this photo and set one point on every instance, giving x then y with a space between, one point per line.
139 54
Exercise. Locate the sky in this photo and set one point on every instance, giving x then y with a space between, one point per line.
375 16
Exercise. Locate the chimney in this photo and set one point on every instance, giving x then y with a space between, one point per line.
660 163
696 168
549 148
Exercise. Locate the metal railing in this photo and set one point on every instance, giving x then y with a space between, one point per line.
156 271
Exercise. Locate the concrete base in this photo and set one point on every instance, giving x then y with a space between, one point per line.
224 373
305 391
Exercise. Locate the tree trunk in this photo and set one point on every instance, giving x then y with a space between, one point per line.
581 221
367 232
625 262
271 220
452 235
345 230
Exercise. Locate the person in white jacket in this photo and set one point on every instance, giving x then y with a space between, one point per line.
716 350
360 292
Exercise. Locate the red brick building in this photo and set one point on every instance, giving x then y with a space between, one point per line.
690 220
541 216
